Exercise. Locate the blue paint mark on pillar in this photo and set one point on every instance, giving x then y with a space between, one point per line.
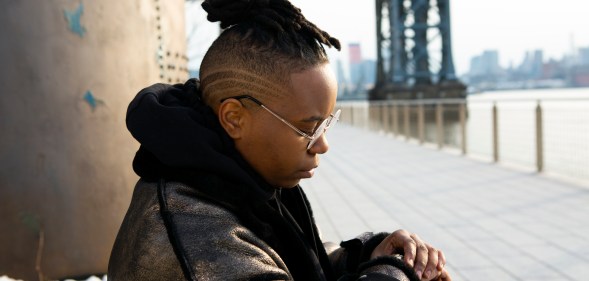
89 98
92 101
73 20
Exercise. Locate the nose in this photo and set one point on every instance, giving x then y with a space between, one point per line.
320 146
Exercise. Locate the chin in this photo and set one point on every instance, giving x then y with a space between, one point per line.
289 184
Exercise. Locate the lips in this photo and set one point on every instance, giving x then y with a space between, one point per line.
307 173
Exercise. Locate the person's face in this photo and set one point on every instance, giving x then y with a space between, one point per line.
275 150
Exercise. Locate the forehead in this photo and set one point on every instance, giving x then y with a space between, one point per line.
314 89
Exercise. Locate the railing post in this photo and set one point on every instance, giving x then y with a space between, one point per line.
495 134
539 139
421 122
462 118
370 113
389 117
374 113
395 119
383 114
406 121
440 124
352 115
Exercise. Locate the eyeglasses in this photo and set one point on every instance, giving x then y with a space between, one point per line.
322 128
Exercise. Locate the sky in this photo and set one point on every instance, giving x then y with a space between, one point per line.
511 27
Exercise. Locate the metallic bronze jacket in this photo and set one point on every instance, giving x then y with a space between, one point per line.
215 242
221 248
200 212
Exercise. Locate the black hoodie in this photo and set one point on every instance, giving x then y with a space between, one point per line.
183 142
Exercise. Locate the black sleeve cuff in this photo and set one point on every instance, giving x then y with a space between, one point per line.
385 264
360 248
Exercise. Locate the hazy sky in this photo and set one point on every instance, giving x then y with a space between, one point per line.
510 26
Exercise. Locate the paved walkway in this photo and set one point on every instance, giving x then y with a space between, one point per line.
493 223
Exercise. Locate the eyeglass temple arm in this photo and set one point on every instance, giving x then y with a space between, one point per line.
271 112
287 123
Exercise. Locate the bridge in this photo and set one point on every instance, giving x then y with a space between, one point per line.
414 51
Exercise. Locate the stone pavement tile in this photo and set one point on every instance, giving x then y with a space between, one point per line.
494 248
517 236
575 270
384 225
485 273
531 268
464 214
467 257
515 217
442 240
575 245
492 223
470 232
542 229
556 278
553 219
580 231
454 273
560 260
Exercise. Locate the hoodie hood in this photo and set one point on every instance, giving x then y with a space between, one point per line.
180 136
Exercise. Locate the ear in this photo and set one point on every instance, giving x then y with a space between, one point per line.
232 115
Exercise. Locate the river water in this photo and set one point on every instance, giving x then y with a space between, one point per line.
565 126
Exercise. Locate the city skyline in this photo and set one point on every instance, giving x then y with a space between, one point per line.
555 29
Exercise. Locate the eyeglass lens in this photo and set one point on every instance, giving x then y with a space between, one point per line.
326 124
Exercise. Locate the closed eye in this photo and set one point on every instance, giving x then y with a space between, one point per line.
309 128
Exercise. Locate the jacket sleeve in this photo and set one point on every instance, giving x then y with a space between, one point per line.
216 246
351 261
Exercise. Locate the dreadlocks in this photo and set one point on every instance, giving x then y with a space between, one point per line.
264 41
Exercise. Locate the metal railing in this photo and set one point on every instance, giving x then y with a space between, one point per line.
511 131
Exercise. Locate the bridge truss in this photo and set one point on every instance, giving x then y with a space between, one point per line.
414 51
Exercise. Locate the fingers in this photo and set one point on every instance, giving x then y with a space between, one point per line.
427 261
409 245
421 256
431 270
441 260
444 276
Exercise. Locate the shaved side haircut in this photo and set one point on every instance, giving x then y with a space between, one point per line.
263 42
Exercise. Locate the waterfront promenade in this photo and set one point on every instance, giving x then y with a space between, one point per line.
493 222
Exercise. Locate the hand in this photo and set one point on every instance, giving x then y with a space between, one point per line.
443 276
427 261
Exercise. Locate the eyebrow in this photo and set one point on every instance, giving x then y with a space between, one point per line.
313 119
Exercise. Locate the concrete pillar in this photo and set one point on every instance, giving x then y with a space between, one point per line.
69 70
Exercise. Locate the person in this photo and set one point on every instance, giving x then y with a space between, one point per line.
221 158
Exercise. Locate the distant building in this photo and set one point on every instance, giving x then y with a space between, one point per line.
362 73
486 64
369 67
533 64
342 81
355 60
580 76
584 56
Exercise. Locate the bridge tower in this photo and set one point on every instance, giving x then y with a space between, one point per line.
414 51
